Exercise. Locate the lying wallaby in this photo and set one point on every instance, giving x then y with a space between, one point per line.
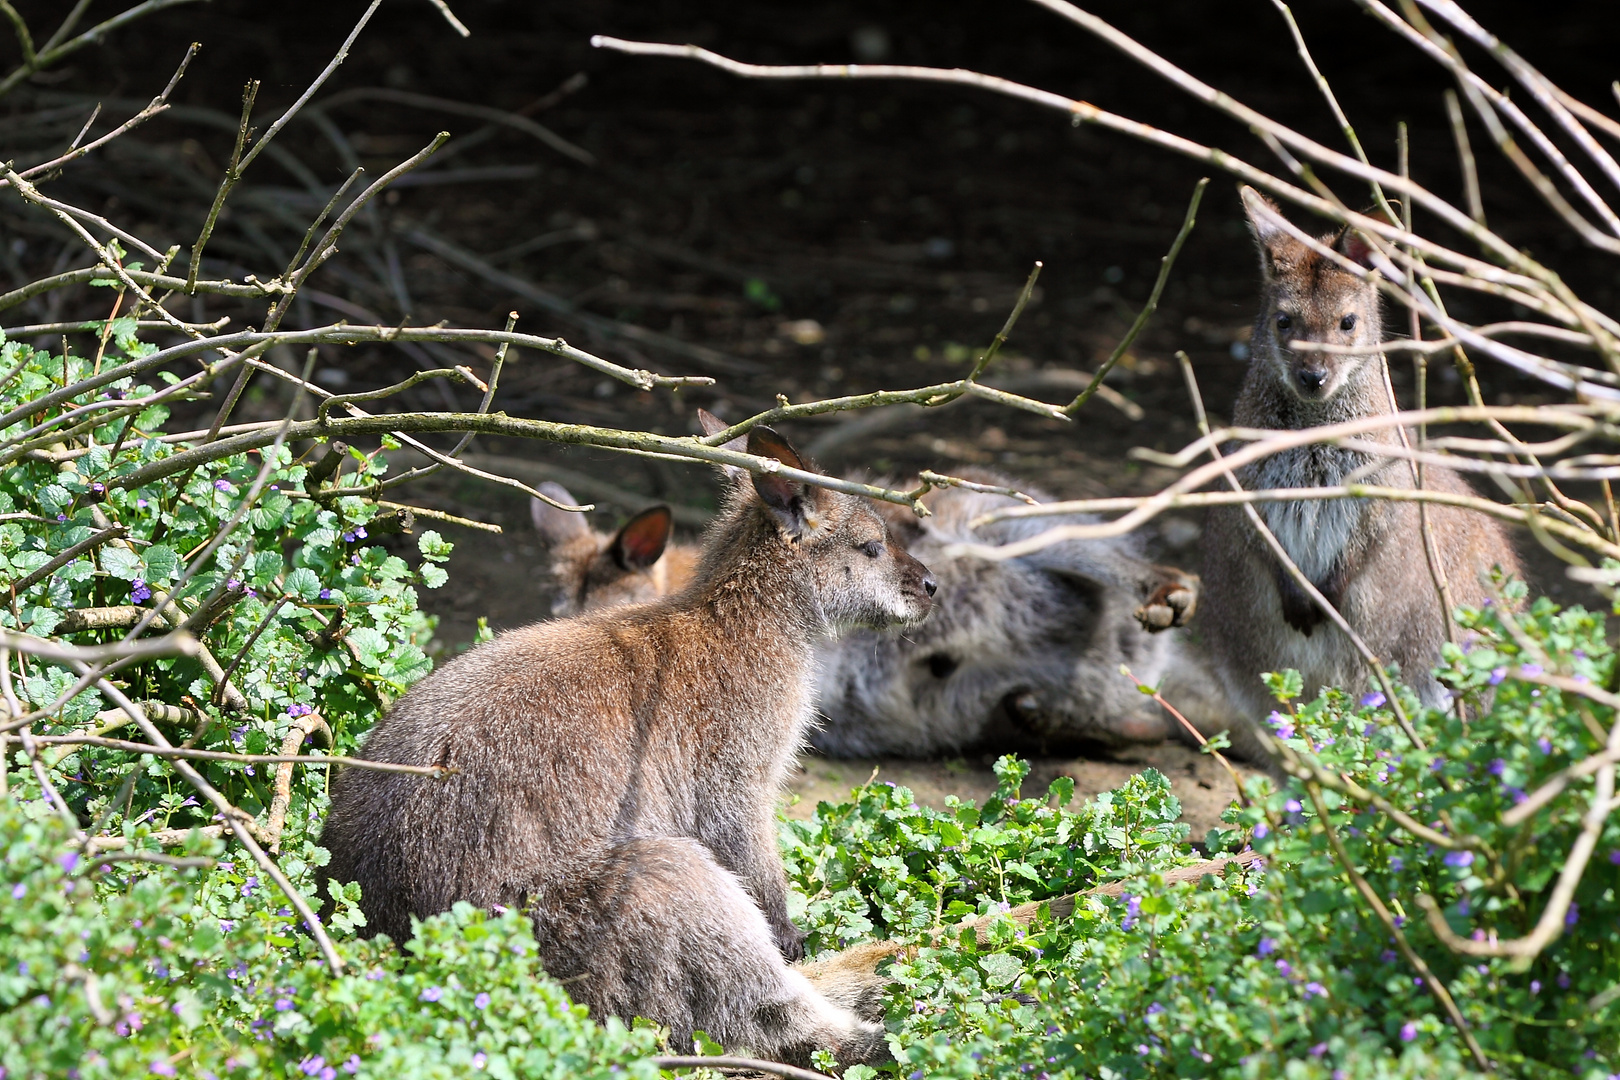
1022 654
617 773
1366 556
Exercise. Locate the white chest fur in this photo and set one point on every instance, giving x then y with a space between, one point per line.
1314 532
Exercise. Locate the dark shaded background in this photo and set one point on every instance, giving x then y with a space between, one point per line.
901 218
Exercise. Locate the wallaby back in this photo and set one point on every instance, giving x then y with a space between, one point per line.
1366 556
617 775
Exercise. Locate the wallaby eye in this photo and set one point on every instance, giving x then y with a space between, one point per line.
1284 320
871 549
1348 323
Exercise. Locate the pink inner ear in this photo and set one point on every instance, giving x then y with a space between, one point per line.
1356 248
642 540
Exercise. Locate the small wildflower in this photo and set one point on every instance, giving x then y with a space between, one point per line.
18 891
1396 864
1544 744
1388 956
232 585
352 1066
481 1001
69 862
1530 670
326 594
480 1059
1408 1031
1535 987
1267 946
1497 675
1459 860
1155 1009
1133 908
1293 806
223 484
142 503
283 1004
360 531
1563 980
61 517
1285 969
1261 830
1315 988
161 1068
249 885
139 591
1572 916
432 993
1373 700
311 1066
1614 856
1319 1049
348 538
1497 767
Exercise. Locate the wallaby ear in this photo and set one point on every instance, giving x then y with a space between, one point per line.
1353 243
556 526
713 424
1266 223
792 502
642 540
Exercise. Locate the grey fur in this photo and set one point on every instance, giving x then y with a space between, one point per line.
1367 557
618 774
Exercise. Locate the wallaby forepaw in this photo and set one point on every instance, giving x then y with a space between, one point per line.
790 942
1171 605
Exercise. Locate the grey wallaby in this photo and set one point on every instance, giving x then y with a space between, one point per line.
617 775
1023 654
1366 556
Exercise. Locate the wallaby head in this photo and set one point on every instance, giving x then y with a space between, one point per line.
1305 296
591 570
837 549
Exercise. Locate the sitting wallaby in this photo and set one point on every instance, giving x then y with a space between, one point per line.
617 774
1366 556
1023 654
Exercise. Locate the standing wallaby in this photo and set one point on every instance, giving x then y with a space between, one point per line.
1366 556
1023 654
617 774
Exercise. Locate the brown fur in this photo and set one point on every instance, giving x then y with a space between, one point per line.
1366 556
590 570
618 774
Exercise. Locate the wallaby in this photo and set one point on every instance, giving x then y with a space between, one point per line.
617 774
1023 654
589 570
1366 556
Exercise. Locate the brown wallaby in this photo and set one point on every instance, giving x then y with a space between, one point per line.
1023 654
589 570
617 774
1366 556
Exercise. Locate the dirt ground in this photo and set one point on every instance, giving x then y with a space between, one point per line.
824 238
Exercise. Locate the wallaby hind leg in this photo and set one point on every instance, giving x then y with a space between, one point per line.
659 929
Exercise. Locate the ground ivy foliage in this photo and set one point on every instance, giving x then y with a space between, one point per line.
111 968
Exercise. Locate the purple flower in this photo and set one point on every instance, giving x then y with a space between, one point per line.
1281 725
1388 956
61 517
1319 1049
1572 916
326 594
1544 744
1261 830
1497 675
1133 908
227 925
352 1066
1563 980
1408 1031
481 1001
1267 946
139 591
328 1073
1614 856
360 531
231 585
348 538
1459 860
1535 987
69 862
222 484
480 1059
18 891
1396 864
1293 806
1529 670
311 1066
99 488
1155 1009
1315 988
1372 700
161 1068
432 993
142 503
283 1004
249 885
1497 767
1285 969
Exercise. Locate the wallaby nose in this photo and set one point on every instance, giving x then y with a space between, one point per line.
930 586
1311 378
